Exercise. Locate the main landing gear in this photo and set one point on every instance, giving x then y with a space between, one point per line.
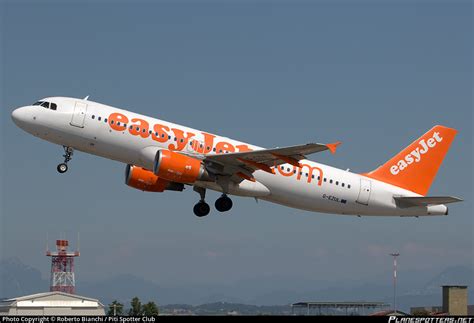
68 151
201 208
223 203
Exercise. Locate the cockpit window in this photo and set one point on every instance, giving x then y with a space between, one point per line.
47 105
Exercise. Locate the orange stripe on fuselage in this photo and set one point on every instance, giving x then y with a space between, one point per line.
161 133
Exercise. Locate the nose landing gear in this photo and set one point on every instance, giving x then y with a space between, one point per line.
68 151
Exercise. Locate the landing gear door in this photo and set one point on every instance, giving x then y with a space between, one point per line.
364 191
79 115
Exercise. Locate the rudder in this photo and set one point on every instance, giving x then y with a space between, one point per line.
415 167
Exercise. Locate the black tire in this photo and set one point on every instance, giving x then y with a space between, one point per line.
201 209
223 204
62 168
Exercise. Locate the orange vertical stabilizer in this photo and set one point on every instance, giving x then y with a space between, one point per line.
415 167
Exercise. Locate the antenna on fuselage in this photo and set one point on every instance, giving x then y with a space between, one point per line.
87 97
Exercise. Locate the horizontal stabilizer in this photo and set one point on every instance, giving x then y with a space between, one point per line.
409 201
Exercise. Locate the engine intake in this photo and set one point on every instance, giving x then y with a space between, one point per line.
179 168
145 180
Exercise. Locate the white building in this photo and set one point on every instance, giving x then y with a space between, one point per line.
51 303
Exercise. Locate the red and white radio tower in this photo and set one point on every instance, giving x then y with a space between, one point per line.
62 268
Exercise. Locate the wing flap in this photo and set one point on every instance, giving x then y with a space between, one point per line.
270 157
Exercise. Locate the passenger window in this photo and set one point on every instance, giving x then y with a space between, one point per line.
324 178
162 135
169 137
105 120
182 140
214 149
342 184
53 106
144 130
93 116
149 132
337 182
111 121
138 128
348 185
330 181
99 118
312 176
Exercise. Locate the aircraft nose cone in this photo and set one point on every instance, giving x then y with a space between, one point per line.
19 116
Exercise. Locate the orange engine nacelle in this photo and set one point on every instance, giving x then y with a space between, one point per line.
178 168
145 180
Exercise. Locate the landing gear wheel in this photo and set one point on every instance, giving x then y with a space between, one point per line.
223 203
201 209
62 168
68 151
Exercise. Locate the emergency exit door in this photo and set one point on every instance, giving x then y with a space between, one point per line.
79 115
364 191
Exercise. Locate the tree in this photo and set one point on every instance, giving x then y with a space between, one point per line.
115 308
150 309
136 307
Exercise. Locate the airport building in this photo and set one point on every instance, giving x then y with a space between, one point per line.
51 303
454 303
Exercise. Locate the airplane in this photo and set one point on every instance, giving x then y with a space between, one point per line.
162 156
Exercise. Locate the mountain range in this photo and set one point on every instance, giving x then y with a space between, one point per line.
17 279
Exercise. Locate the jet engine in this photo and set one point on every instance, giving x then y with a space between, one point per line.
179 168
145 180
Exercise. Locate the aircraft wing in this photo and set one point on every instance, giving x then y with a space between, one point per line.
245 163
409 201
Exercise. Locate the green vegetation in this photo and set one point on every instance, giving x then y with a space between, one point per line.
136 308
150 309
115 308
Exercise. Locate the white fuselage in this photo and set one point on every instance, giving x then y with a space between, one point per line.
81 124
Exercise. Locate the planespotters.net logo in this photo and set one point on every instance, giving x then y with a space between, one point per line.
416 155
449 319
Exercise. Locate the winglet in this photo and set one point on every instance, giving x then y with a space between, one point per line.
332 147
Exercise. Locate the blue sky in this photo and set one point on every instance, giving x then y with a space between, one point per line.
375 75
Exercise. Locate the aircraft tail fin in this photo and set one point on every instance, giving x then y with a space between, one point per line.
415 167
